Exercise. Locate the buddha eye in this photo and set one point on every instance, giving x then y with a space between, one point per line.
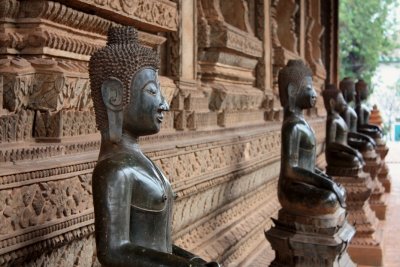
151 88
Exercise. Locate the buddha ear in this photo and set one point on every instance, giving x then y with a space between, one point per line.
332 103
291 96
112 91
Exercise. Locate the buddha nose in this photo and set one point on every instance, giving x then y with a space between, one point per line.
164 105
314 95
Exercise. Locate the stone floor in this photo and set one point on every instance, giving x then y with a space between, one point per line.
391 225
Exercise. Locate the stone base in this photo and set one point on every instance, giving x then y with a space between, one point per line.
387 183
366 246
380 209
367 255
378 200
304 245
385 178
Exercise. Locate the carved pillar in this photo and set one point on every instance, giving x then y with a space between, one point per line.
284 39
314 32
264 71
330 43
228 54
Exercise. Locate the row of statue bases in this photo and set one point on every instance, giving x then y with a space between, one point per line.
325 216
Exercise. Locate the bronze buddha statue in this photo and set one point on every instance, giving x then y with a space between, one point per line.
302 189
132 197
363 112
339 155
355 139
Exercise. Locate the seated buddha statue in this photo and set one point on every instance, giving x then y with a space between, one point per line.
302 188
132 197
359 141
363 112
338 153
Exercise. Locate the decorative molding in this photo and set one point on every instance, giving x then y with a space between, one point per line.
58 31
157 15
16 127
283 25
314 33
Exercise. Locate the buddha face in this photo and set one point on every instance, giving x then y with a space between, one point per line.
144 113
349 92
340 104
364 93
306 96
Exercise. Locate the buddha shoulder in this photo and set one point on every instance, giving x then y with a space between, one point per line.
291 125
149 191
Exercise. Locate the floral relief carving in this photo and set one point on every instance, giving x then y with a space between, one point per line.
27 206
160 13
45 84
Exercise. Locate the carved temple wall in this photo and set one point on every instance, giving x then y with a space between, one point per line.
219 145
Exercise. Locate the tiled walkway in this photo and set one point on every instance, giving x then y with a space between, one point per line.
392 223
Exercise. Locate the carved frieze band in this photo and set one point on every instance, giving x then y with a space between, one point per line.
206 176
160 15
45 84
51 28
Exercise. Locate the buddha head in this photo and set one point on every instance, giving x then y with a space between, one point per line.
296 86
333 99
361 90
125 87
347 86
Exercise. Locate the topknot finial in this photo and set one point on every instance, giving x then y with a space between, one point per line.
122 35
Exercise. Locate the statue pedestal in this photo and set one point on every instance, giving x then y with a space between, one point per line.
383 175
307 241
366 248
377 199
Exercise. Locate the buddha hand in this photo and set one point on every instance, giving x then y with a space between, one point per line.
212 264
340 193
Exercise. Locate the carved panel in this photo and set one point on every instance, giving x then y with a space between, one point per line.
45 84
85 34
159 15
48 211
283 24
16 127
313 39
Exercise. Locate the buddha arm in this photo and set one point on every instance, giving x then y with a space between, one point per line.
373 127
291 139
319 172
112 199
346 149
190 256
332 144
363 137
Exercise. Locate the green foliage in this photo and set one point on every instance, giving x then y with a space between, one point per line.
365 33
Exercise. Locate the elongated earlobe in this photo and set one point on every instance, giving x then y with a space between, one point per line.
291 97
112 92
332 104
